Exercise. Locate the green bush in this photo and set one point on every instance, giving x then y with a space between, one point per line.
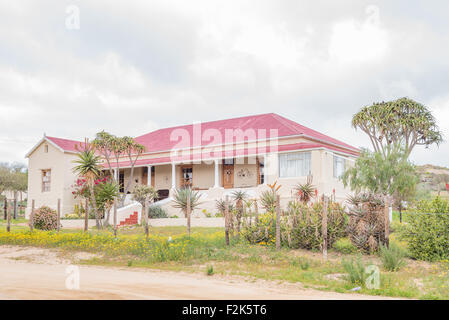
437 205
427 236
392 257
263 232
355 271
156 212
344 245
301 227
45 218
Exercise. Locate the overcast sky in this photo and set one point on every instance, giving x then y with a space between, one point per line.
137 66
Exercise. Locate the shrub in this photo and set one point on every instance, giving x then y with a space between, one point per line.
366 227
355 271
45 218
427 236
301 228
264 232
156 212
392 257
437 205
210 270
345 245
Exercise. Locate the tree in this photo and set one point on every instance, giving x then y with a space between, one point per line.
401 122
104 144
106 191
378 174
133 150
144 194
239 197
180 197
89 168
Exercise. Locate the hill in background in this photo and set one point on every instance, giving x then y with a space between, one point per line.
432 181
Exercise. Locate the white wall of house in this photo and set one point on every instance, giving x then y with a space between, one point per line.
62 178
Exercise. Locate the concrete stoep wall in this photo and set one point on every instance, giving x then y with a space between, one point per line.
62 178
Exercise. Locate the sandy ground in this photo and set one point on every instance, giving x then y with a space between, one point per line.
36 273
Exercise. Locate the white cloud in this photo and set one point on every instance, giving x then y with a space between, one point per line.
141 65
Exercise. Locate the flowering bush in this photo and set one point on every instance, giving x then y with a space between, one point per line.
45 218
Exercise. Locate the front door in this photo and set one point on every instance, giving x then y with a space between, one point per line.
187 177
228 174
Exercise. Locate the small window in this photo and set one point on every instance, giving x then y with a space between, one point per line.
261 172
295 164
46 180
228 161
46 148
339 166
121 181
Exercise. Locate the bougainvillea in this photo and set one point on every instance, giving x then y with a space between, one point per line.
45 218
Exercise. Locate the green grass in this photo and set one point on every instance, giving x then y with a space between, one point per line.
206 252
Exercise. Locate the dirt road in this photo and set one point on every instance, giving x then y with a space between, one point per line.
34 273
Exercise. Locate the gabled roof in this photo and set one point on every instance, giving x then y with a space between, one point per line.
159 140
64 145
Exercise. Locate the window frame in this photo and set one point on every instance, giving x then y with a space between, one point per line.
307 157
335 159
46 185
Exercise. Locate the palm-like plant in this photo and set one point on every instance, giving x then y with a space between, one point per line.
239 196
220 204
268 200
106 194
305 190
181 197
144 194
88 166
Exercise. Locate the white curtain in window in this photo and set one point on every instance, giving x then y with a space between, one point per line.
295 164
339 166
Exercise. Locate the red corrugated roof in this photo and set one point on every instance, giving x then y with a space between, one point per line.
159 140
65 144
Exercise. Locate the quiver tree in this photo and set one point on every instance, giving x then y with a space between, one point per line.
239 198
144 195
401 122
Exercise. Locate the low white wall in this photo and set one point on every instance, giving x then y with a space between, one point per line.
165 222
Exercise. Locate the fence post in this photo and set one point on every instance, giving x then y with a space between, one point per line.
115 217
15 205
256 212
278 222
32 216
59 214
86 216
188 212
387 221
8 218
324 225
226 216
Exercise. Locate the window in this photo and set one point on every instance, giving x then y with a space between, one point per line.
295 164
262 174
121 181
228 161
339 166
46 148
46 180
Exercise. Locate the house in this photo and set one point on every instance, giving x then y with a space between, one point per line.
214 157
